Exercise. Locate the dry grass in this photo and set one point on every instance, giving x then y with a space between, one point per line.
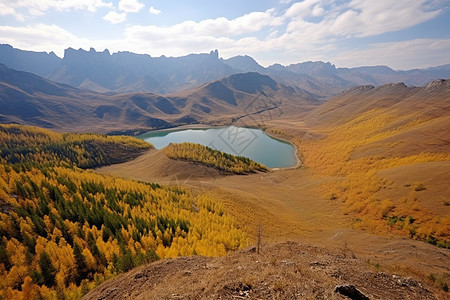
363 164
283 271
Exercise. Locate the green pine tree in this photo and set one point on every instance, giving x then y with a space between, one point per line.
48 271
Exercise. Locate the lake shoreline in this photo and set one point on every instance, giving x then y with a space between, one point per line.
298 162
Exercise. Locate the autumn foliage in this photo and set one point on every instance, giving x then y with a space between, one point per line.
205 155
65 229
357 179
217 159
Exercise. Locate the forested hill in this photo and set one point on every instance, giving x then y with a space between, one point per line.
213 158
26 144
64 229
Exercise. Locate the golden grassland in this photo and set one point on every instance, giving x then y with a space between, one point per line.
64 230
309 204
213 158
358 181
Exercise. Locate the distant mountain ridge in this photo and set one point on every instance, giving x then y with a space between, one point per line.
28 99
130 72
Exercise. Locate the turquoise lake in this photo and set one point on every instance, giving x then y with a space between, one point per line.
248 142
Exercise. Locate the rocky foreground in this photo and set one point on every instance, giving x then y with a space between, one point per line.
284 271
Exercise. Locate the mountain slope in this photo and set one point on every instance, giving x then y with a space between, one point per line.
432 100
388 148
29 99
39 63
246 94
244 63
77 228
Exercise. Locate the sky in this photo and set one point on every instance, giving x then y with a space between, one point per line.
402 34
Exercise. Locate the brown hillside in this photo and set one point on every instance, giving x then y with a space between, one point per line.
155 166
283 271
31 100
431 100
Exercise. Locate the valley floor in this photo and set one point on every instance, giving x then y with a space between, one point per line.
288 205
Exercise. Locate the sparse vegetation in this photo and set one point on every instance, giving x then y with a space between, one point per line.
419 187
375 265
213 158
333 196
445 201
439 280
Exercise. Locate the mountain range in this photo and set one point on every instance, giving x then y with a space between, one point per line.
123 72
26 98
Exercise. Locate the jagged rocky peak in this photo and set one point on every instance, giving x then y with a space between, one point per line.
312 66
393 85
360 88
438 83
215 54
80 53
277 67
244 63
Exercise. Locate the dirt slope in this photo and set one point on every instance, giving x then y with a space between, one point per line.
283 271
155 166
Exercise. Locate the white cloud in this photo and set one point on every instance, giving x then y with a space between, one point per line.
6 10
404 55
130 6
302 9
38 37
368 17
42 6
154 11
358 18
114 17
42 37
219 27
307 30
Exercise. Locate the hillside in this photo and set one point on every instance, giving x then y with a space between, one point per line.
32 100
247 94
224 162
379 141
283 271
427 106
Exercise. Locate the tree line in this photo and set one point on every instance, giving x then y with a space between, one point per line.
214 158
